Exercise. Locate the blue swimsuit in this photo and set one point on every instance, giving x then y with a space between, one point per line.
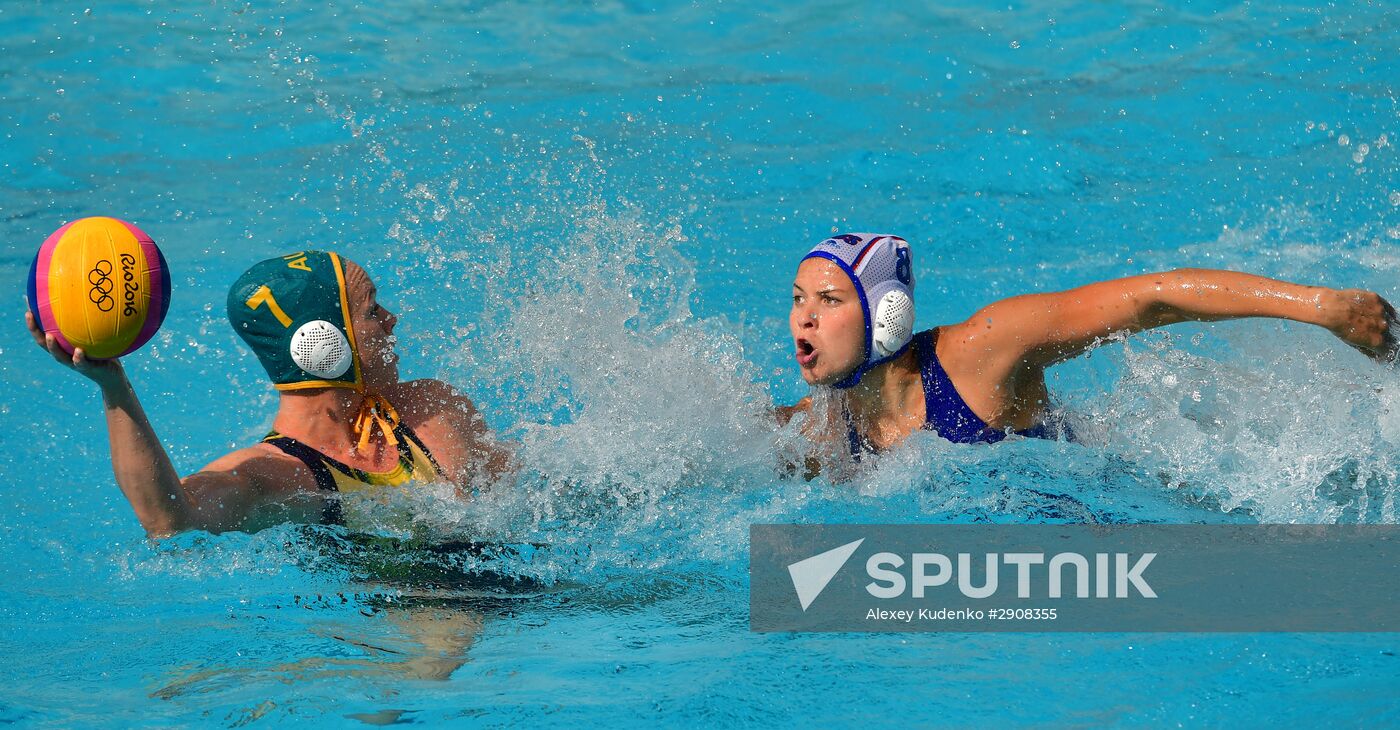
948 414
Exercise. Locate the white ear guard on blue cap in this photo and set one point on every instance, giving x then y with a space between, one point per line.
881 270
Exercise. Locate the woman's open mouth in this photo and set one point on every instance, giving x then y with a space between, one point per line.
806 353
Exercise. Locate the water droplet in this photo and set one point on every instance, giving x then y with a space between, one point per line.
1344 140
1395 197
1015 44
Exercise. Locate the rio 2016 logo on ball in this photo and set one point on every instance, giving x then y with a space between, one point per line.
99 284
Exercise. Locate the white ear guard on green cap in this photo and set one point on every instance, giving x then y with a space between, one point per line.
880 268
318 348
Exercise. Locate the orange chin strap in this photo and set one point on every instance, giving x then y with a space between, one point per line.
375 410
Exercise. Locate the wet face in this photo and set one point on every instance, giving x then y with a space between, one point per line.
828 326
374 329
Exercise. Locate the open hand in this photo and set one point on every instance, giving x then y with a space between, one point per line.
1366 321
103 372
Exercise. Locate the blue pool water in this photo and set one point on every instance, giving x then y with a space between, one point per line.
587 218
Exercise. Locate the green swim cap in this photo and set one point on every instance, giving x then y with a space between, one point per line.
294 312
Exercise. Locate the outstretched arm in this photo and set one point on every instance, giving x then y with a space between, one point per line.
1041 329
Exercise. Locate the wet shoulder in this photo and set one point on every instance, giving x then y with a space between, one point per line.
421 401
785 413
988 378
264 467
963 349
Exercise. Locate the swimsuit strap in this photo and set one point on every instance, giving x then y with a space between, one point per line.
853 438
946 412
406 433
316 462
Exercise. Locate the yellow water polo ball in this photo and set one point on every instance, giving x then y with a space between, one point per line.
99 284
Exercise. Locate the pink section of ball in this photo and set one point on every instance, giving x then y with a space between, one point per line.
154 275
41 287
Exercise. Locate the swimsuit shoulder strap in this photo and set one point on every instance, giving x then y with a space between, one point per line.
317 463
853 439
407 436
946 412
313 459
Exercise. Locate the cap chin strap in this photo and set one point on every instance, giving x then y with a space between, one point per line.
375 412
854 377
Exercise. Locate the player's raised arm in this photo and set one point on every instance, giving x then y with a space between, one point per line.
1042 329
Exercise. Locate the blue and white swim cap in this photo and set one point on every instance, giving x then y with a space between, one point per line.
879 266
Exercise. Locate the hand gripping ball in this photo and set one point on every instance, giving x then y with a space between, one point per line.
99 284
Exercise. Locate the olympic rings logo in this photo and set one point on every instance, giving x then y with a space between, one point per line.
100 279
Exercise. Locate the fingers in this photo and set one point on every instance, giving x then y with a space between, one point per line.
102 371
34 330
1390 337
56 350
1390 315
58 353
1382 321
45 340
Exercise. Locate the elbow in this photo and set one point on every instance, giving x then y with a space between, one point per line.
162 521
1161 313
1166 298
